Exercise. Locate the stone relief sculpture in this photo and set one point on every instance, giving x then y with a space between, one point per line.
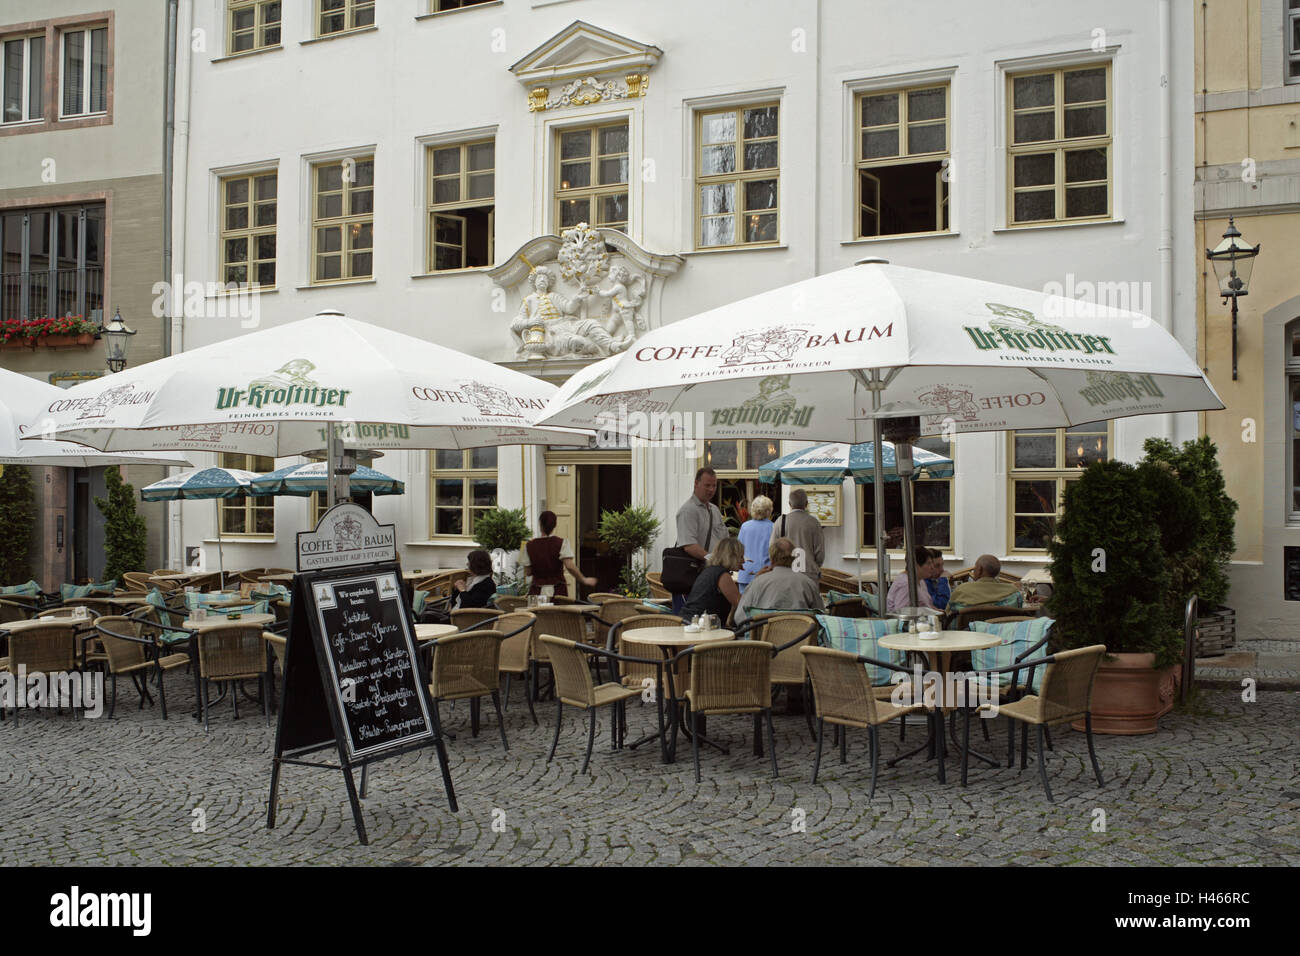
593 319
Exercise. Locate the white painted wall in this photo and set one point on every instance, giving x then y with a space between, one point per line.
417 78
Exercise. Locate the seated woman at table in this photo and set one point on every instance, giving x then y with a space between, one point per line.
715 591
480 587
546 558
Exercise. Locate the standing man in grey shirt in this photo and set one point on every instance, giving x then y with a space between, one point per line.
699 522
805 532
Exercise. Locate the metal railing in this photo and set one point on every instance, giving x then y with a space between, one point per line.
51 292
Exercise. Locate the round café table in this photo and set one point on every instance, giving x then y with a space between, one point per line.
80 626
671 640
939 651
427 632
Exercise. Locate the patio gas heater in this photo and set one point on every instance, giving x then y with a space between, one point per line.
903 433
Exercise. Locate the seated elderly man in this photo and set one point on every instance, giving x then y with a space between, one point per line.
780 588
983 587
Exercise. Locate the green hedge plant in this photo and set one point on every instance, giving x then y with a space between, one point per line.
17 524
629 532
125 537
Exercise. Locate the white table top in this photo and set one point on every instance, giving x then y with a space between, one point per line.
426 632
80 622
674 636
947 641
220 620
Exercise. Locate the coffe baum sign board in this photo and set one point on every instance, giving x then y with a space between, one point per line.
346 535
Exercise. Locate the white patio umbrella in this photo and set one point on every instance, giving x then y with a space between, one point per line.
818 358
300 386
18 395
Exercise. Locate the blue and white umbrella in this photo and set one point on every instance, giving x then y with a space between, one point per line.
832 462
305 479
203 483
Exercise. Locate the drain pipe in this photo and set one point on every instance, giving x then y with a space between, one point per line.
1166 245
169 134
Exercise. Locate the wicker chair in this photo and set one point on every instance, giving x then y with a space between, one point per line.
657 589
575 687
619 609
516 647
131 647
232 652
832 580
985 612
967 574
600 597
787 633
1065 694
730 677
848 607
508 604
844 697
137 580
466 617
465 667
279 645
558 622
11 611
46 648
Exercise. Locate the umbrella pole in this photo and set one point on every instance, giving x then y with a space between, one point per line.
221 557
878 490
909 533
330 498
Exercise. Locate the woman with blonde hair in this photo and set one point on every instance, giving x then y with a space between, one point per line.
754 536
714 591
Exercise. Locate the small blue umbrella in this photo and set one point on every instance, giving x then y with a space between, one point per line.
304 479
832 462
203 483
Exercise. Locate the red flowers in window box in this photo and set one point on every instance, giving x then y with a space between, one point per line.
66 331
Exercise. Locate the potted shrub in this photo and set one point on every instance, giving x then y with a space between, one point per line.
628 533
1120 564
125 536
501 532
1196 465
17 523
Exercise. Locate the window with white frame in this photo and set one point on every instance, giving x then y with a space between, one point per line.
736 166
340 16
1043 463
462 210
902 161
933 507
23 79
251 515
83 78
462 485
592 176
1059 158
1293 420
248 223
253 25
1292 41
343 219
438 6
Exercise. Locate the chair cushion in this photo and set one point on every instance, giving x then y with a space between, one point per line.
1017 637
868 598
418 601
30 589
100 589
861 635
271 592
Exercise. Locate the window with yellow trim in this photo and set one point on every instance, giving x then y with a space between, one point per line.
737 161
1043 462
1059 158
736 463
462 485
343 219
249 515
253 25
340 16
592 171
902 147
462 183
248 221
933 507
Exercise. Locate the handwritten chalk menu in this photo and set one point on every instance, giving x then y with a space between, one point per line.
371 661
352 681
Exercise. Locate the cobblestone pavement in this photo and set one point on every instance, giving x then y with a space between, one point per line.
1218 784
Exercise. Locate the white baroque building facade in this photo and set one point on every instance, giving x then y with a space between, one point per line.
414 166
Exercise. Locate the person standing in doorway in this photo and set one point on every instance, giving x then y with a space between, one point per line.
755 534
805 532
546 558
699 523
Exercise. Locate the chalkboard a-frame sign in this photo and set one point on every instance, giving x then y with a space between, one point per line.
352 679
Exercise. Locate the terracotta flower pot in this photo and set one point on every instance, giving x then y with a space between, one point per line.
22 343
1131 695
67 340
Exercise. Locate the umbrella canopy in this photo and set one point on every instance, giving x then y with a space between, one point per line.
18 396
200 483
278 392
963 354
306 479
831 462
818 358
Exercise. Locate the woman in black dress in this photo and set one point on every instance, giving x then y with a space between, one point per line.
715 591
